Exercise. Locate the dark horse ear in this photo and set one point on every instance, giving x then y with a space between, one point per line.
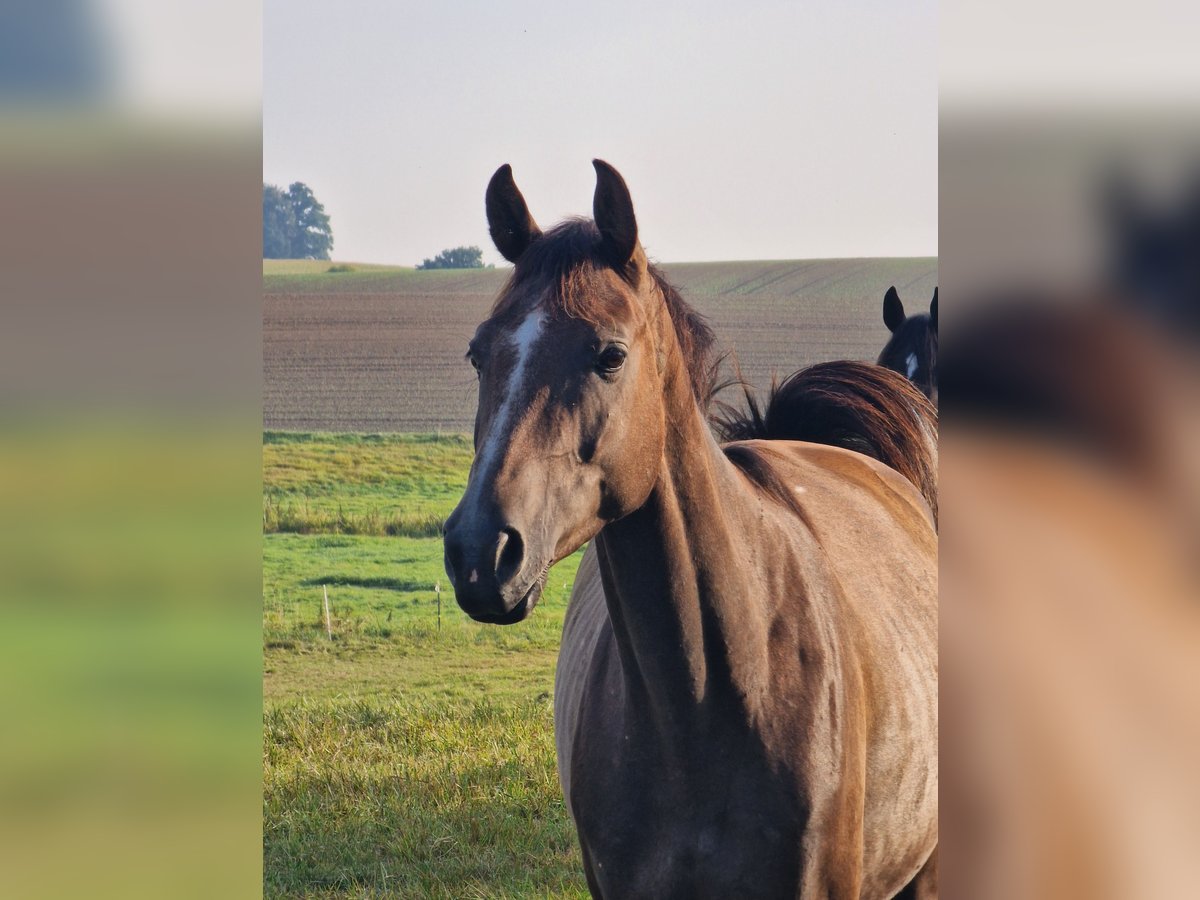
612 207
509 221
933 310
893 309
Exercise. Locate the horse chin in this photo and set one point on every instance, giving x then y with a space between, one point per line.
518 613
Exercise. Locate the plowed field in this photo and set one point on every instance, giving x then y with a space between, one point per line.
381 349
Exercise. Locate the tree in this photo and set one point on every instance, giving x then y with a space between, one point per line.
277 224
295 224
313 238
457 258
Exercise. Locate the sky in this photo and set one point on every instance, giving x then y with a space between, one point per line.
756 130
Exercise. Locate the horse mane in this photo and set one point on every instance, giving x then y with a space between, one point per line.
569 255
853 405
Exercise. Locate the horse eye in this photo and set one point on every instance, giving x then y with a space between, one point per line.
611 359
474 360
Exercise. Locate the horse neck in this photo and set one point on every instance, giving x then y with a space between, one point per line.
676 576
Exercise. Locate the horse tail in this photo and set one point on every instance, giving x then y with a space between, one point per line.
853 405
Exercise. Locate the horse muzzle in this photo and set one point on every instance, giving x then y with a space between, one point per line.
487 566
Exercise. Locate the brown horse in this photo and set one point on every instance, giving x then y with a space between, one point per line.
746 697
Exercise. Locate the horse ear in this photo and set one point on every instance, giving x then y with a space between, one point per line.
509 221
933 310
893 309
612 207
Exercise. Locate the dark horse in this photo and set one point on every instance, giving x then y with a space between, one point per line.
746 695
912 349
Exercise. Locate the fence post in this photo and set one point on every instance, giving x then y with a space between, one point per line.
328 625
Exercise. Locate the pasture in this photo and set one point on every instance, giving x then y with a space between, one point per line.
400 758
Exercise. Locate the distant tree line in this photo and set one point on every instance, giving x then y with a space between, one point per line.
456 258
295 224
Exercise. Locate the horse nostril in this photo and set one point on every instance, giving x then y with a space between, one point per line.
510 554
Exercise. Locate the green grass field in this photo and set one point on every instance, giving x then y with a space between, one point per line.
362 484
400 758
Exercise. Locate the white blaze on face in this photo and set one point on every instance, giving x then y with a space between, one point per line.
911 362
522 340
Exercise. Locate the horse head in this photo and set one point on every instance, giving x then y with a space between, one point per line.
913 347
573 363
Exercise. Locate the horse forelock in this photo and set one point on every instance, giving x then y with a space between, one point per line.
563 267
